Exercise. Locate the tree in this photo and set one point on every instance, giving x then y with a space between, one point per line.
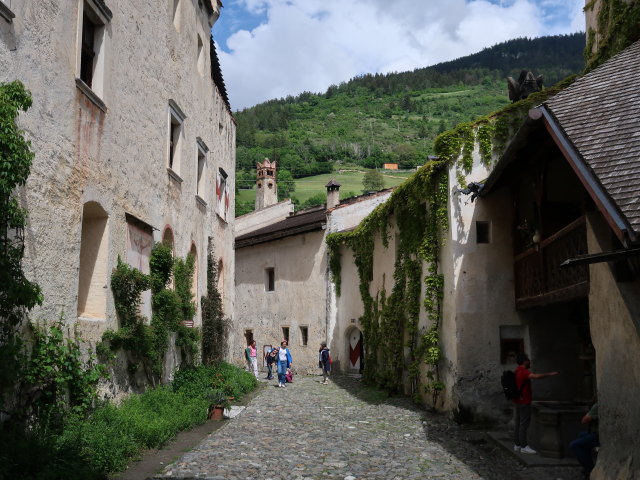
372 181
286 185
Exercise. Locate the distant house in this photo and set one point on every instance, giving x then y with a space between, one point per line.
390 166
282 281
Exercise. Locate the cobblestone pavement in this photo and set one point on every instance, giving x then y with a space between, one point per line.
348 432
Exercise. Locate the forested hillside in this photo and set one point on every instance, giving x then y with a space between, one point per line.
378 118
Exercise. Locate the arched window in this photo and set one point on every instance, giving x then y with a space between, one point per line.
93 273
167 237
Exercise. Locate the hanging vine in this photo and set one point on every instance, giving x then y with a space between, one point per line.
147 344
618 27
215 326
418 208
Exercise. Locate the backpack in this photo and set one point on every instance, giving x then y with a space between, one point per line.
509 385
330 360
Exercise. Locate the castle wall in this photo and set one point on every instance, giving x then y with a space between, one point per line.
110 145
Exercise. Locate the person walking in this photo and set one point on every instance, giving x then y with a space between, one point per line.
284 362
271 359
582 447
324 362
253 358
523 404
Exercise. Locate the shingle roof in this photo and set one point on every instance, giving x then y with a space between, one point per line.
216 74
600 116
304 221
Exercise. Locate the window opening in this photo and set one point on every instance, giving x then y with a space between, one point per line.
88 53
91 44
175 10
248 335
304 336
202 166
94 252
222 194
509 348
483 232
200 58
269 279
285 334
176 121
139 245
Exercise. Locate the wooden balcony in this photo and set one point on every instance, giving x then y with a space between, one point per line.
540 281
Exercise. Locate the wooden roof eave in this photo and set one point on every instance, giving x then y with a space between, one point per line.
589 180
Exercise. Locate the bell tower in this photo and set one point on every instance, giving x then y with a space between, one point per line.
266 188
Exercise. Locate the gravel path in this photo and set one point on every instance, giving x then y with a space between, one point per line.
348 432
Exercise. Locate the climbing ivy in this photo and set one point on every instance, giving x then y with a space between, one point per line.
215 326
18 295
58 378
147 344
418 208
618 27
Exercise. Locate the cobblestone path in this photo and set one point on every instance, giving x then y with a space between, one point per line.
337 431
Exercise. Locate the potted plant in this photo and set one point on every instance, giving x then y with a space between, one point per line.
218 401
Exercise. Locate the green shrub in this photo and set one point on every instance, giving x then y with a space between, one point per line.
105 441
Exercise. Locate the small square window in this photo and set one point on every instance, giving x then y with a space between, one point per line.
509 348
304 336
285 334
483 232
269 279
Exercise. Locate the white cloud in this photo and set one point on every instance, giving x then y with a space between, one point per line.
310 44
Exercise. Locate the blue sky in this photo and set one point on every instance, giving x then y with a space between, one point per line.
274 48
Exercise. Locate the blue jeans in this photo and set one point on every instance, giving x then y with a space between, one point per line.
282 371
270 371
582 447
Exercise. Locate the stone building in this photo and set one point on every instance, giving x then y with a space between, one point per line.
571 173
134 143
564 191
283 286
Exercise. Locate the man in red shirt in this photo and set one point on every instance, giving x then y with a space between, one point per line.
523 404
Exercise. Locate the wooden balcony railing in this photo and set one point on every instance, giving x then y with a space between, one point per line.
539 280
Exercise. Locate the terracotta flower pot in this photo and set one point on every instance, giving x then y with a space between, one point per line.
215 412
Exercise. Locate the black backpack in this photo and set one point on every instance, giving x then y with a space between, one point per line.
509 385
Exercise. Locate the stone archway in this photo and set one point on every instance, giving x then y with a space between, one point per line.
355 350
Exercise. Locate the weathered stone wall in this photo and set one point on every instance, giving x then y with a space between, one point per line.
614 311
299 297
117 158
478 300
344 311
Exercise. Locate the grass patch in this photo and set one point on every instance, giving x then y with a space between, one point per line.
109 438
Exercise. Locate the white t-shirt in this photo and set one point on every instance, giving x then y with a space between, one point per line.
282 355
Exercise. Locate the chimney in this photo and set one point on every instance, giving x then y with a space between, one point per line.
333 193
266 188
